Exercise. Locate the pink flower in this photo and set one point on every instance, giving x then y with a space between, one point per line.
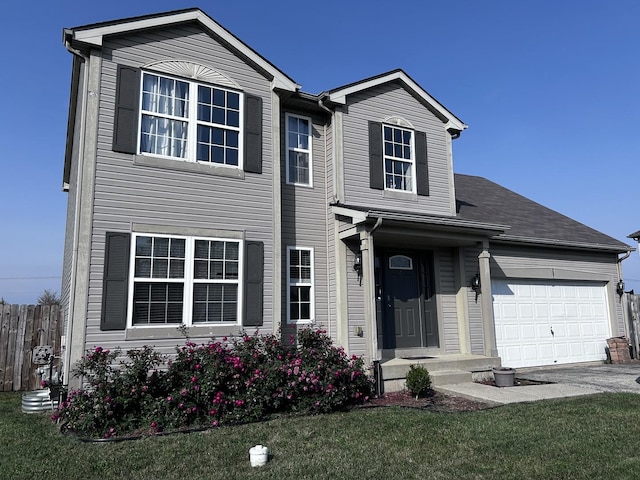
154 424
224 339
214 423
197 366
169 398
98 349
194 379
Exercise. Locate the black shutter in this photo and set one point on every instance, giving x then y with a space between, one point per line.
125 125
376 168
422 169
252 134
115 281
253 283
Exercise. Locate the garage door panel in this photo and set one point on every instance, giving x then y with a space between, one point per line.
527 311
574 330
528 332
544 352
571 310
510 333
560 331
601 330
508 310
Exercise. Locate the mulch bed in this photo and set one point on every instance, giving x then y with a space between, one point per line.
434 401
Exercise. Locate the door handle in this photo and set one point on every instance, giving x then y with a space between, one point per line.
552 334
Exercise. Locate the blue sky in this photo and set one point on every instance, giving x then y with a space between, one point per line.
549 90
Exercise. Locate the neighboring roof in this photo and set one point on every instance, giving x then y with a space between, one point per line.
94 34
482 200
635 235
339 95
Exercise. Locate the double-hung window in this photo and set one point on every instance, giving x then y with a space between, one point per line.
299 171
300 295
186 280
190 121
399 158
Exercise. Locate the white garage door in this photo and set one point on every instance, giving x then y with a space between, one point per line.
544 323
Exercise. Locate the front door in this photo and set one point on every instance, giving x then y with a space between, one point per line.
407 301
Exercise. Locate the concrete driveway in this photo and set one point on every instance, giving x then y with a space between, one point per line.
595 376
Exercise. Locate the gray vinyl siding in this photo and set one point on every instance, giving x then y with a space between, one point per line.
304 221
476 331
447 296
126 193
377 104
559 265
329 225
355 306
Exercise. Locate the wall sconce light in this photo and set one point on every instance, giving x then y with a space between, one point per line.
357 263
620 288
475 283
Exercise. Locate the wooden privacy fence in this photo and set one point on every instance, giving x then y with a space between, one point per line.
633 319
23 327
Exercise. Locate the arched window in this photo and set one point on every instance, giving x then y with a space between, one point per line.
400 262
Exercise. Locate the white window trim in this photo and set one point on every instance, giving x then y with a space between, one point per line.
188 281
311 283
412 160
301 150
192 122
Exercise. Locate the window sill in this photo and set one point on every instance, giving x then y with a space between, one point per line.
401 195
302 185
209 331
184 166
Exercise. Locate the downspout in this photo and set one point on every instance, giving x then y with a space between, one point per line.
76 220
628 327
619 261
376 226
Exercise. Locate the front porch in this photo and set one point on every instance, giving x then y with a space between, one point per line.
444 369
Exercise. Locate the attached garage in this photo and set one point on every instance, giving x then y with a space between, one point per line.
548 322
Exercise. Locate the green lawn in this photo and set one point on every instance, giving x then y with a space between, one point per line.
589 437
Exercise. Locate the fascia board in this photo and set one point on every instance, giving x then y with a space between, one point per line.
340 96
95 36
504 238
357 216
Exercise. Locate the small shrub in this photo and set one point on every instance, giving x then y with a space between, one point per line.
418 380
222 382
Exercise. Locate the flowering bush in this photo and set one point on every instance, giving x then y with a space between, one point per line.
223 382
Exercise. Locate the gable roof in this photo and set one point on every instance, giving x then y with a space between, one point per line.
339 95
482 200
634 235
93 35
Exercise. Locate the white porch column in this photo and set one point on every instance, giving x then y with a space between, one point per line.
486 302
368 283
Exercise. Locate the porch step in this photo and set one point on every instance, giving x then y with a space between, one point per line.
449 377
445 370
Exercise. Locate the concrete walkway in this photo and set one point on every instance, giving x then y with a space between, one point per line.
568 381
